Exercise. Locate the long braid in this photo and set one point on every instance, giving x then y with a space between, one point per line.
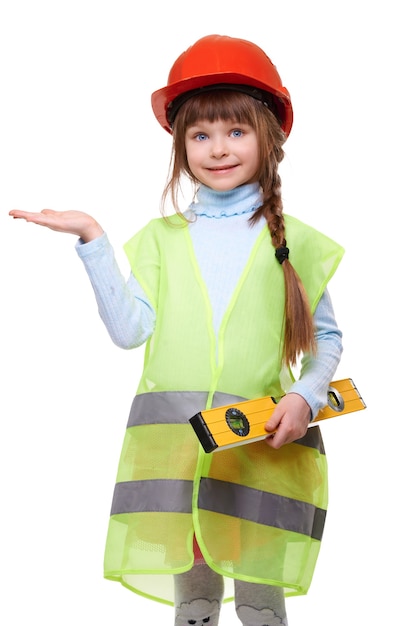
299 328
299 333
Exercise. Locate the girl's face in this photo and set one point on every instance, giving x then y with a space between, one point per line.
222 154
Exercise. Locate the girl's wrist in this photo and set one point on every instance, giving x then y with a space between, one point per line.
92 232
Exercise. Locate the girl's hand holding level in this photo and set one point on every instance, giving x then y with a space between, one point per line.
72 222
290 420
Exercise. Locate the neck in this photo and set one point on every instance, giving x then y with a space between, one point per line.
243 199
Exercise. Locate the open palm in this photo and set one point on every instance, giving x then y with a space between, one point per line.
73 222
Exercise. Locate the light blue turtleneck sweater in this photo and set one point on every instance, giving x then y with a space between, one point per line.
222 239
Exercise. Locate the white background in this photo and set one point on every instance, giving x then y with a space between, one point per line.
77 132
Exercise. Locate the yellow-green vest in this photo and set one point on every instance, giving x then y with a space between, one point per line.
257 513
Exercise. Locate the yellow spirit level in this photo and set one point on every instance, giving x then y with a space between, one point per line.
243 422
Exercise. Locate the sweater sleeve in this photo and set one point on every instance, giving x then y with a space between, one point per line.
123 306
317 371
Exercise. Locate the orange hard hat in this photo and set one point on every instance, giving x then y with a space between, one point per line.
218 61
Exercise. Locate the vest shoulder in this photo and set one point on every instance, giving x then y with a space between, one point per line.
156 228
298 230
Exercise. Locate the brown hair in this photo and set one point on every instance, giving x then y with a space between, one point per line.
226 105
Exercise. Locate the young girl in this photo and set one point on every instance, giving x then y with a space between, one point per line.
228 296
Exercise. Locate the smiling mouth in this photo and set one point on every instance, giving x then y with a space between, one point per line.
221 168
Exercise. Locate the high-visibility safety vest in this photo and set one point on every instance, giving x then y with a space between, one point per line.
257 513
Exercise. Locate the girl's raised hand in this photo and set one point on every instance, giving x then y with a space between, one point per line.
73 222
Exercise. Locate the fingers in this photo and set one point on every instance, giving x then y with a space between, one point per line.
28 216
282 436
289 430
25 214
47 217
276 438
16 213
273 423
289 421
72 222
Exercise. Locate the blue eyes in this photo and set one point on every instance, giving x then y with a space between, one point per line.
234 133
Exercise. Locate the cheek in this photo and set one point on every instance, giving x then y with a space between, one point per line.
189 152
192 164
255 160
193 155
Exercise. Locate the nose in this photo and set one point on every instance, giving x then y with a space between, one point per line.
219 148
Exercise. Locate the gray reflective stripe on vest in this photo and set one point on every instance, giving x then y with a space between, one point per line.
261 507
173 407
152 495
313 439
177 407
175 496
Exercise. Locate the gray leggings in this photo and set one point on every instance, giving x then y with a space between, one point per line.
199 593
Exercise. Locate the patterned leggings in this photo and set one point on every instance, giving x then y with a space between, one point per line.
199 593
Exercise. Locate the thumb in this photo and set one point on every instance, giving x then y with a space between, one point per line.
272 423
48 212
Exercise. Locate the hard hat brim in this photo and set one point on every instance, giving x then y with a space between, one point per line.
162 98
